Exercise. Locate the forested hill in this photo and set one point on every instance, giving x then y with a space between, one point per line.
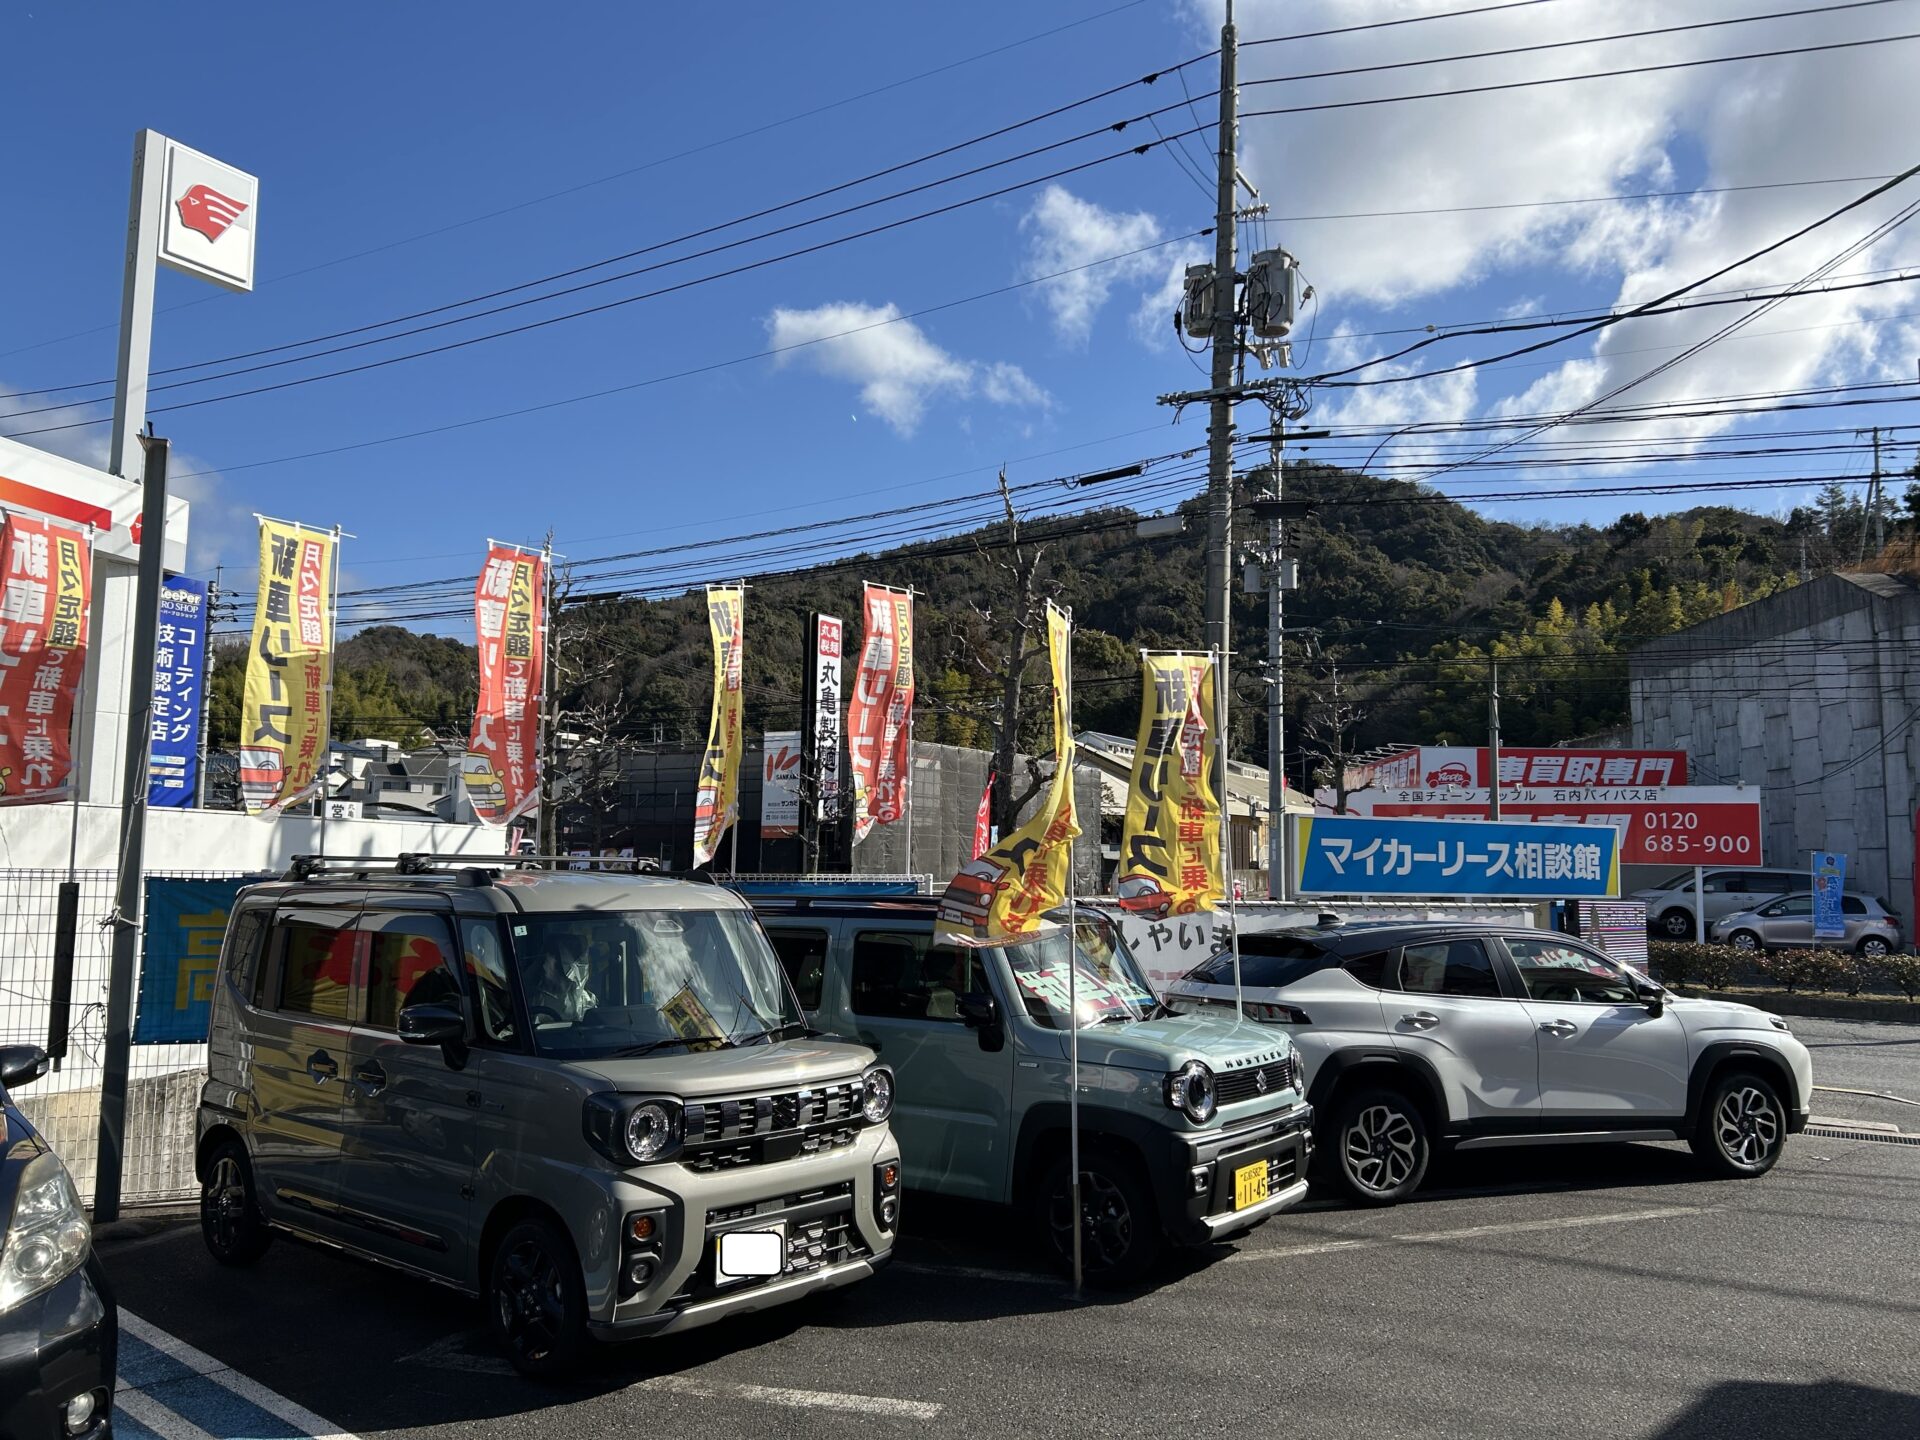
1402 597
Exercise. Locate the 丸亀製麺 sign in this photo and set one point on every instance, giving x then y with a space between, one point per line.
1353 855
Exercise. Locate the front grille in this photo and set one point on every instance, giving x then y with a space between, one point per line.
725 1134
1233 1086
813 1242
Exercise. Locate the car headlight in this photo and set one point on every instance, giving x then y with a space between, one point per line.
48 1237
633 1132
652 1129
1190 1090
876 1100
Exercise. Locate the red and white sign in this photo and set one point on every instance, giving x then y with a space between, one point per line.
780 784
46 577
1671 825
212 211
79 496
502 764
1465 767
879 728
983 820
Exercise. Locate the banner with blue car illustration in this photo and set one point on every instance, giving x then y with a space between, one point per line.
1355 855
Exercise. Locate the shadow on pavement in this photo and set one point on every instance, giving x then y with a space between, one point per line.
1830 1409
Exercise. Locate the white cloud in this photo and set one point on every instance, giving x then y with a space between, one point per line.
899 370
1063 231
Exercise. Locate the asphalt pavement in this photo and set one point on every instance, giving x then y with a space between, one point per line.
1572 1292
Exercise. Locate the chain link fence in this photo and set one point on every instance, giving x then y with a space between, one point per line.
164 1081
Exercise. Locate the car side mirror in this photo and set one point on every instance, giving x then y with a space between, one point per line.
429 1024
980 1011
1650 995
21 1065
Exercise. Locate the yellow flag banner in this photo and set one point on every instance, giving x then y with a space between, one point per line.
717 804
1003 895
1170 850
284 716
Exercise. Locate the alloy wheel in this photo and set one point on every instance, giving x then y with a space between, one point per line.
531 1304
1747 1125
1381 1148
1106 1222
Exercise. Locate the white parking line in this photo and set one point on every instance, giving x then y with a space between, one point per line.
157 1417
1469 1232
298 1416
794 1399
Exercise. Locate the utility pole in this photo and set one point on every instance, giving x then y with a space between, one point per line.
1870 517
1493 746
1277 876
1225 352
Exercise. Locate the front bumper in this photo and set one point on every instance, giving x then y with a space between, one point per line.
59 1344
1204 1210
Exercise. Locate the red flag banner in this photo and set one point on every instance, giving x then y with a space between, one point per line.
983 820
878 728
509 619
46 576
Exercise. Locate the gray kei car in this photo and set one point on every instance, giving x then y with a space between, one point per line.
591 1099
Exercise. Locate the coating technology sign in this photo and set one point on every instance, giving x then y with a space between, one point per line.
1351 855
179 693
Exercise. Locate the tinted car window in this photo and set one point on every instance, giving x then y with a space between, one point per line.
1448 967
316 967
803 955
406 963
899 976
1852 905
1371 969
1266 961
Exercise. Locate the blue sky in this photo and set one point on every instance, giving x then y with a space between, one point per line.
373 125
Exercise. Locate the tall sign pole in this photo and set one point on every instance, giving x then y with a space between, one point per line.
144 209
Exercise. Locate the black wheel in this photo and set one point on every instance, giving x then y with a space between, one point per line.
230 1219
537 1301
1745 940
1872 948
1120 1237
1377 1146
1743 1128
1677 924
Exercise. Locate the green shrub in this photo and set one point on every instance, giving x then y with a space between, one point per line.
1683 964
1796 970
1900 972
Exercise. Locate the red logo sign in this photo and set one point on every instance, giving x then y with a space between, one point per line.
1455 774
208 211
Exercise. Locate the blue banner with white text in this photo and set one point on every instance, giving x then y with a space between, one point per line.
1487 859
179 694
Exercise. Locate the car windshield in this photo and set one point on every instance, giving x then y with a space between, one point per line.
605 984
1107 986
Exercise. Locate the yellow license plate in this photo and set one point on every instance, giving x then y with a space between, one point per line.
1249 1185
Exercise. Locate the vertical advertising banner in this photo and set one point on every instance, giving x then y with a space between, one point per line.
824 737
46 577
780 785
284 722
717 803
1170 851
502 765
878 730
179 694
983 817
183 922
1829 886
1006 892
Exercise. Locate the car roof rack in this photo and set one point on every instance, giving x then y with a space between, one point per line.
468 868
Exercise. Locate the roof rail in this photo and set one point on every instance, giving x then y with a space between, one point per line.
421 862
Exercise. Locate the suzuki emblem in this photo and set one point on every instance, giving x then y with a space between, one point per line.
1260 1081
208 211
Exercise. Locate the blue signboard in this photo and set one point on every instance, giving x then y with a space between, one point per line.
1354 855
185 923
1829 884
179 694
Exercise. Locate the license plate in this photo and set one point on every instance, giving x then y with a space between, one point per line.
751 1254
1249 1185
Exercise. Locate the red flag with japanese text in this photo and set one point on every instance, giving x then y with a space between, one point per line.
46 576
502 768
983 819
879 718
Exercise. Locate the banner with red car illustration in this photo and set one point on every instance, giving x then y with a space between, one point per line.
502 769
284 719
716 804
46 575
879 730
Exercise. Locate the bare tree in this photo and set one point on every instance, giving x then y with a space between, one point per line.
1007 663
590 718
1326 729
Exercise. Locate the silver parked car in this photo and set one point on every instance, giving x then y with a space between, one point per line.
1787 924
1726 892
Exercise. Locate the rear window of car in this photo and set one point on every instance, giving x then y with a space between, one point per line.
1852 905
1266 961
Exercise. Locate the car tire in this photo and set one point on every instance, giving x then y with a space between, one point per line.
1120 1239
1872 947
1747 941
1376 1146
537 1301
235 1231
1742 1128
1677 924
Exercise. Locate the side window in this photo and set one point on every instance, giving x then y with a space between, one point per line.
900 976
1771 882
1795 905
315 956
1729 885
1448 967
406 962
486 967
1852 905
1567 974
243 948
1370 969
803 955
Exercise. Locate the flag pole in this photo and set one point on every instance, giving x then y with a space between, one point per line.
326 736
1226 833
1071 753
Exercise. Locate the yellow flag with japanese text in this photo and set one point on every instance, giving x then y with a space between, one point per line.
1170 849
1005 893
284 714
716 805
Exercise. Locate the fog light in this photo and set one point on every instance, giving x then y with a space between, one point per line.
643 1228
889 1212
80 1412
889 1176
639 1273
1202 1178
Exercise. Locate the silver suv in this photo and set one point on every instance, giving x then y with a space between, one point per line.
590 1099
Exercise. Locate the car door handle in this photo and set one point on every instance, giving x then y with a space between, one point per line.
1561 1028
322 1067
370 1078
1420 1020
